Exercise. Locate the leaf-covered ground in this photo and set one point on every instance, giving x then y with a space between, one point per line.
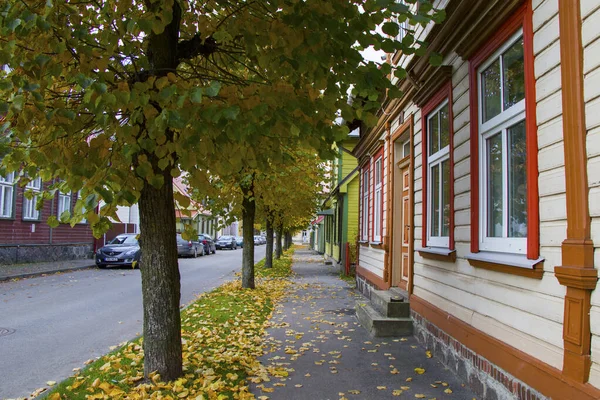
315 348
222 337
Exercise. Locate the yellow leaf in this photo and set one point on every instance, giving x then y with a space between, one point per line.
428 354
396 392
267 390
51 383
381 387
449 391
419 396
298 385
419 371
353 391
404 387
54 396
408 379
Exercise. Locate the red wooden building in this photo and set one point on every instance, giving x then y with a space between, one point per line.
24 234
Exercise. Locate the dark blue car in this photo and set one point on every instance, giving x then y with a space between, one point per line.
122 250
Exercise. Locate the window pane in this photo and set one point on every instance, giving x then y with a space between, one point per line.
494 186
7 196
490 91
444 127
406 149
446 198
517 181
434 137
435 200
513 74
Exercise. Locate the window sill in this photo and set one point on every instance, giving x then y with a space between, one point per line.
515 264
363 243
437 253
376 245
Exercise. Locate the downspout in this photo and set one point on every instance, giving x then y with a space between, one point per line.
51 213
389 206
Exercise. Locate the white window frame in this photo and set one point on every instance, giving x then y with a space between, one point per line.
436 159
365 204
402 26
377 199
498 124
7 194
29 206
64 200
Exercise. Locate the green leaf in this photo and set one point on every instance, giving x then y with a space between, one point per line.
53 221
231 113
213 89
436 59
390 28
196 95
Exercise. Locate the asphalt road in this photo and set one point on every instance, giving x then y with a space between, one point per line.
60 321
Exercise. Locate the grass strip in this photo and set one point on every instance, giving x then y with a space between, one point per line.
221 335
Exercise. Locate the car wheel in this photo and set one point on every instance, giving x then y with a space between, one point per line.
195 252
202 252
215 251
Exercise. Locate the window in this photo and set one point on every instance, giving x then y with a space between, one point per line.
503 149
406 149
438 171
365 204
402 22
7 191
64 203
29 205
378 200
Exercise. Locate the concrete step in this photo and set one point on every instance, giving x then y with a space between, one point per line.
390 303
380 326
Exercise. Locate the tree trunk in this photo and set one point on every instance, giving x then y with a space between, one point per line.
286 240
160 281
248 212
269 250
278 249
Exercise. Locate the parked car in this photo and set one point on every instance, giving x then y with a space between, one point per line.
257 241
208 242
226 242
122 250
239 240
190 248
263 240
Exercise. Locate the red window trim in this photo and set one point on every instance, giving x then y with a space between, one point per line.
374 159
365 169
445 93
523 17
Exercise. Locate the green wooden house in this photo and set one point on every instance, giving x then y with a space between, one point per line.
340 208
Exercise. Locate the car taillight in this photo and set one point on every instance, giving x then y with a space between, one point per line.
190 243
204 242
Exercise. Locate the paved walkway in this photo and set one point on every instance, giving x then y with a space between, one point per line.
8 272
317 342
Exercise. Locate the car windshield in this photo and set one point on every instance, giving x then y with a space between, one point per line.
131 240
225 238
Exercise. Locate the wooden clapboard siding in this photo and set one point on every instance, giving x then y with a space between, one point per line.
524 313
371 259
353 214
590 32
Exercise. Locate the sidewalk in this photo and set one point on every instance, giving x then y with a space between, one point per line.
319 351
8 272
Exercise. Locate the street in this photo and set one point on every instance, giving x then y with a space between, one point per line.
62 320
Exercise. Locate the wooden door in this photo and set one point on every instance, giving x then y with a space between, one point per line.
406 228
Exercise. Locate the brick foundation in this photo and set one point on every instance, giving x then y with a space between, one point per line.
487 380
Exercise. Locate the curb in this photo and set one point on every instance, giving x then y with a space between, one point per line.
51 272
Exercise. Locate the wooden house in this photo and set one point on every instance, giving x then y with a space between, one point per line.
480 195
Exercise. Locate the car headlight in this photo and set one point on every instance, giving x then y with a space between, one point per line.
98 252
130 253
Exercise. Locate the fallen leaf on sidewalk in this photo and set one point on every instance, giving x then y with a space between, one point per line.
381 387
396 392
419 396
448 391
51 383
419 371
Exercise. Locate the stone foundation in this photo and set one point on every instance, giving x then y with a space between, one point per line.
486 379
364 286
23 254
